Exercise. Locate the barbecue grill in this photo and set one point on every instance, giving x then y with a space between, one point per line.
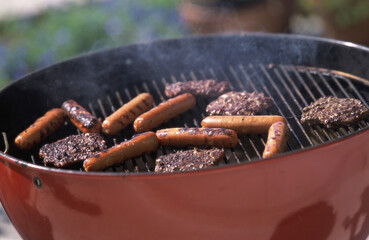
317 189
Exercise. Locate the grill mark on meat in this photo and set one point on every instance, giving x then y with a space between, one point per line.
205 88
72 149
193 131
131 111
79 113
334 112
209 131
185 160
121 122
163 134
239 103
86 119
146 103
139 107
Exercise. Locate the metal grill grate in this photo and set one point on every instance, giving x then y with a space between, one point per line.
291 88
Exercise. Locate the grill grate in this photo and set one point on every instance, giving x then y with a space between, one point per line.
291 88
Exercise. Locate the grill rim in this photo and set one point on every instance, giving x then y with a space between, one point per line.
23 163
215 168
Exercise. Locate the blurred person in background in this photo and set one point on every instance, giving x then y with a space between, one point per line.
213 16
346 20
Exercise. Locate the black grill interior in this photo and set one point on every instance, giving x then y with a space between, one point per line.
291 88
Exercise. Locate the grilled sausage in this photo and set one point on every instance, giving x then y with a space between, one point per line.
81 118
40 129
127 113
138 145
277 139
164 112
242 124
198 137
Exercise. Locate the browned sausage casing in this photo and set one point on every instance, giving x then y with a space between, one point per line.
40 129
138 145
198 137
243 124
164 112
277 139
127 113
81 118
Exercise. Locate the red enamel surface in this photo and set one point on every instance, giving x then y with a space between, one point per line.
318 193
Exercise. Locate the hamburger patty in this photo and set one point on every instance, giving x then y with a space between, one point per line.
72 149
334 112
188 160
205 88
239 103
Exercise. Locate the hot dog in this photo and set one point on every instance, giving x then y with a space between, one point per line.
40 129
81 118
138 145
127 114
198 137
242 124
164 112
277 139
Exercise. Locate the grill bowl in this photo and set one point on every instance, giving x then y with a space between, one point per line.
318 190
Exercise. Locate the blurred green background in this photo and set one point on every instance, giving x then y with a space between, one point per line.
29 43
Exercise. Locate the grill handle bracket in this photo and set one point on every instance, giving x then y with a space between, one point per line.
5 142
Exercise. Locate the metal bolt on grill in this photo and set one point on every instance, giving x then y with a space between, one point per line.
291 88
